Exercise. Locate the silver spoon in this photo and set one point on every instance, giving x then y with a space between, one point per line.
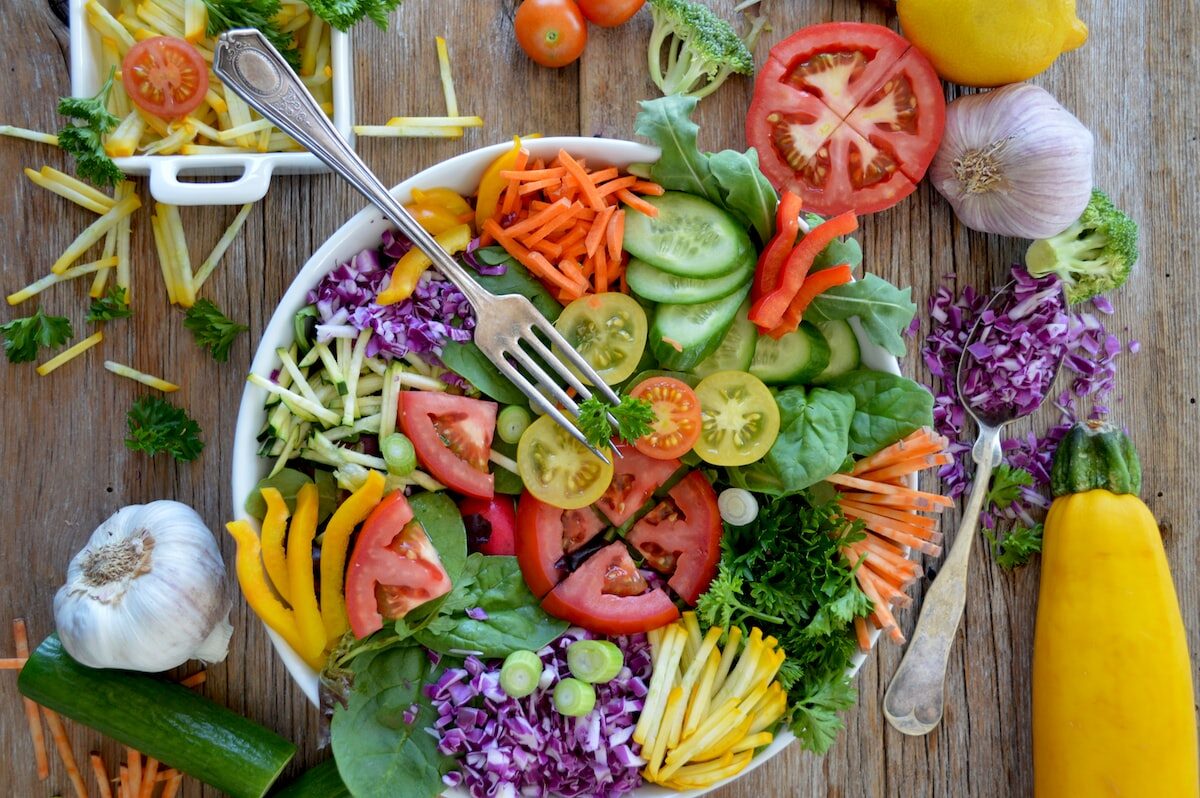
916 696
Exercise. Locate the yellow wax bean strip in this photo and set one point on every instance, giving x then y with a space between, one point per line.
664 676
698 705
140 376
70 192
94 233
29 135
658 747
732 642
70 354
752 741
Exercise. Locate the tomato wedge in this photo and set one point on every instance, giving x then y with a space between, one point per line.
635 478
452 436
393 569
491 524
848 115
682 536
544 534
607 595
676 424
165 76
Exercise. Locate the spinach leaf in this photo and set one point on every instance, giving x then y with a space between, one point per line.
443 523
838 251
884 310
377 752
745 189
812 444
289 481
513 621
886 408
681 166
515 280
465 360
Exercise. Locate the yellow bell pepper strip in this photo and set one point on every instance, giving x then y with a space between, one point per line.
334 548
300 574
447 198
412 265
492 185
258 593
273 527
433 217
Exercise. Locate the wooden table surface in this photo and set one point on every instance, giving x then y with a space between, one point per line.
66 469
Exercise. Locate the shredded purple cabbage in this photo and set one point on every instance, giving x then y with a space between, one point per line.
345 300
475 263
509 746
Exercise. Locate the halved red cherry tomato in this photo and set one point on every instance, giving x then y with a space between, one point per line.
394 567
676 424
682 536
607 595
452 436
848 115
165 76
491 524
635 478
544 534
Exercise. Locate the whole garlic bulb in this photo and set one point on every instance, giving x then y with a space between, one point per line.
1014 162
147 592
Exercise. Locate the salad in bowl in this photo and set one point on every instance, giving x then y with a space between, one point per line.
481 604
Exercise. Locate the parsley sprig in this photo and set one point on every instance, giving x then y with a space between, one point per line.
212 328
22 337
634 419
226 15
85 141
344 14
1016 545
155 425
113 305
1006 485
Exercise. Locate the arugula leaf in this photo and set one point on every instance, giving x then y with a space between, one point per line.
226 15
344 14
884 310
155 425
113 305
746 189
886 408
86 141
1006 485
212 328
634 419
22 337
1016 546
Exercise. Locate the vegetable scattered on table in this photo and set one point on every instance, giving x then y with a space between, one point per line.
692 51
155 426
1093 256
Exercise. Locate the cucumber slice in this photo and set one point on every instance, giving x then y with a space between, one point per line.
683 335
657 285
736 350
794 359
690 236
844 355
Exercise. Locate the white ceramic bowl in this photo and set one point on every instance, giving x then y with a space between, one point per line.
461 173
252 171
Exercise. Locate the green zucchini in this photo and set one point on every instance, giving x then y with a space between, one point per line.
319 781
161 719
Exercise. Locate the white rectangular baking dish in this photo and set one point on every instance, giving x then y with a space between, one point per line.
251 172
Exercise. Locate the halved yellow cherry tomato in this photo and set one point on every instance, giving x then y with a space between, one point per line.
739 419
609 330
559 470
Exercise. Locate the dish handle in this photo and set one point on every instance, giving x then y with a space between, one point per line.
250 186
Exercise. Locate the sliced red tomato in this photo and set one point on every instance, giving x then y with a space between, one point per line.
165 76
607 595
682 536
676 426
544 534
452 436
394 567
491 524
848 115
635 478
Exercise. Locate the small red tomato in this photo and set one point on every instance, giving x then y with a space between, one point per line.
551 32
609 13
491 524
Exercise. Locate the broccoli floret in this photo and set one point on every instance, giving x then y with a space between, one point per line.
1092 256
692 50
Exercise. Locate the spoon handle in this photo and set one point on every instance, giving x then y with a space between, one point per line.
916 697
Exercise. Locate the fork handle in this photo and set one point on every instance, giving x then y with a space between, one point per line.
253 69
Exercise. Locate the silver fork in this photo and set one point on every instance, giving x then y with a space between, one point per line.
507 327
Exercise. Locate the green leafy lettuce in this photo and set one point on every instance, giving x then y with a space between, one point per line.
884 310
887 407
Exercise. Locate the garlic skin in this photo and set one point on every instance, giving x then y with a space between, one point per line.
147 592
1014 162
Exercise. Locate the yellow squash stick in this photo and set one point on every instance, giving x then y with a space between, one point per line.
95 232
70 354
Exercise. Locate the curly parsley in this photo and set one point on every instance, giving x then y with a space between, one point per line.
22 337
113 305
1014 547
1006 485
344 14
226 15
634 419
155 425
212 328
85 141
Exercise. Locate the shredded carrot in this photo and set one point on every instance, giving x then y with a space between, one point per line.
133 759
63 743
894 490
863 633
12 663
905 467
601 261
196 679
561 218
101 773
538 185
613 186
637 203
874 520
167 774
647 187
32 711
571 269
534 174
850 499
125 782
586 187
148 777
615 234
603 175
172 786
599 227
923 441
536 220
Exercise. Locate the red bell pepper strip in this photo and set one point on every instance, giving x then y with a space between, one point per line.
770 262
814 285
768 311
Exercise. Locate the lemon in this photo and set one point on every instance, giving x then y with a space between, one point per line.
991 42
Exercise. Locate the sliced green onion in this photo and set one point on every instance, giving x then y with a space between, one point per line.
399 454
511 422
574 698
520 673
595 661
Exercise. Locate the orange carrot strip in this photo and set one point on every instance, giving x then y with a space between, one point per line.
518 251
32 711
573 272
167 774
879 487
906 516
197 678
560 220
547 248
637 203
615 234
883 615
613 186
874 520
536 220
148 777
576 170
538 185
512 191
596 234
648 187
527 175
600 176
101 775
133 758
863 633
579 232
575 251
63 743
896 574
544 269
919 442
902 468
900 501
601 261
124 788
172 786
888 550
12 663
887 591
